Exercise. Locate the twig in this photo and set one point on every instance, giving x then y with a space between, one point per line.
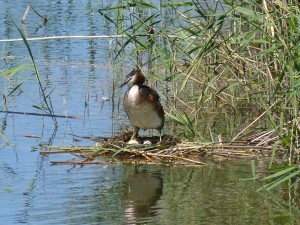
37 13
80 163
223 147
253 122
224 154
145 155
176 157
4 138
64 152
41 114
25 14
78 37
239 147
267 133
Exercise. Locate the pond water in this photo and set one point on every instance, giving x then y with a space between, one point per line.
78 73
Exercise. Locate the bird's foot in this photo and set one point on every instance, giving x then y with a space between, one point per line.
132 142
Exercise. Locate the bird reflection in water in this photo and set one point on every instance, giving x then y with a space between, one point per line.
143 190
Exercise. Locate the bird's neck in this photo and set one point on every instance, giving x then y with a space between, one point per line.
139 78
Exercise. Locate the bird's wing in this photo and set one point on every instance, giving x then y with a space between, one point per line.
147 91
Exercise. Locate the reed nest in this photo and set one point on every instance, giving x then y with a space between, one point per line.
169 151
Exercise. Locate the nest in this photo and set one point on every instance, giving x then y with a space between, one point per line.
169 151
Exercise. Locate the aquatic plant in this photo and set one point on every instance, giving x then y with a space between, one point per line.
46 104
8 72
228 56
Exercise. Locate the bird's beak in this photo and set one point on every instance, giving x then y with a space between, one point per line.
128 78
125 82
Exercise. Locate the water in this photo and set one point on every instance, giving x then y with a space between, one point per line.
122 194
79 73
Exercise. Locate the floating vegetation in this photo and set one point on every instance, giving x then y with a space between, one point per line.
168 152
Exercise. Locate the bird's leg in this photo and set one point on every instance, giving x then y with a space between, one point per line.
135 133
159 130
133 140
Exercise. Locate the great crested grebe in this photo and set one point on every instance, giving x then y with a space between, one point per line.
142 105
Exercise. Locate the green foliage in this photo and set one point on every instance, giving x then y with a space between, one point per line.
236 54
46 104
284 174
185 121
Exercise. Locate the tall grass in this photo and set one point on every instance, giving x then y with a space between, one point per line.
46 98
13 88
214 58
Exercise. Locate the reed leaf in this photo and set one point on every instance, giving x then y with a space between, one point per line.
14 71
280 180
37 75
283 171
231 55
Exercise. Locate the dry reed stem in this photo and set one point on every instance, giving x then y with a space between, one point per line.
41 114
177 157
253 122
80 37
80 163
4 138
25 14
180 154
64 152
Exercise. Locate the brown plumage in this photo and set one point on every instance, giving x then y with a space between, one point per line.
142 104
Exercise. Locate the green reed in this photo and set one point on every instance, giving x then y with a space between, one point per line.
207 59
46 98
13 85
